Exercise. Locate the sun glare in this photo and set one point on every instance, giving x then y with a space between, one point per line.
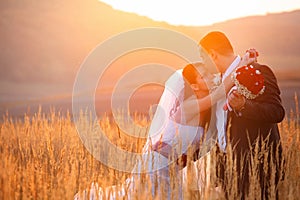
199 12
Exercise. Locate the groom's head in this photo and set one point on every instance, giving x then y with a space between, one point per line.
218 47
218 42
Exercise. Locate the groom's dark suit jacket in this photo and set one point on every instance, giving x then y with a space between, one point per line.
257 120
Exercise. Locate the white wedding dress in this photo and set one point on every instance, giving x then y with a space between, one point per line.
162 129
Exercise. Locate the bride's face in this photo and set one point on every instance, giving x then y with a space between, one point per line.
200 87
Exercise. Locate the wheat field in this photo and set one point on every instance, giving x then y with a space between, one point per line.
42 157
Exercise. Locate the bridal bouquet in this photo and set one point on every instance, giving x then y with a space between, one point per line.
248 81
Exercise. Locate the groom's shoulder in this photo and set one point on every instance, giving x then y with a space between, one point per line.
265 69
259 65
267 72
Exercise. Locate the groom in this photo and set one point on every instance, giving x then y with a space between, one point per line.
250 123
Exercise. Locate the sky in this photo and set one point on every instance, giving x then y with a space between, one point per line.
201 12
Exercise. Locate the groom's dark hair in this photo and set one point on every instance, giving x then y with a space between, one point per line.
218 41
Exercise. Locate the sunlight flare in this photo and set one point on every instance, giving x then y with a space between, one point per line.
195 12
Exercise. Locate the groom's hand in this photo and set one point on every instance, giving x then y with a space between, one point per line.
236 100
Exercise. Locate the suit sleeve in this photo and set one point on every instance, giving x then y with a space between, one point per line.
266 108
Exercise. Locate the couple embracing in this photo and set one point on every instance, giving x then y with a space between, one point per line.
237 116
233 115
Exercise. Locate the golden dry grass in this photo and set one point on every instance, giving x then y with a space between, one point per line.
42 157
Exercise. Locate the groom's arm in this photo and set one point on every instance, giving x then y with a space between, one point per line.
266 107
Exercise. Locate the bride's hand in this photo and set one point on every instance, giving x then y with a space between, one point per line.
249 57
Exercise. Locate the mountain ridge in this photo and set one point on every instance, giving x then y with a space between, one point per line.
44 43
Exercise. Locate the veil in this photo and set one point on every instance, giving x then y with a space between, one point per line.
169 102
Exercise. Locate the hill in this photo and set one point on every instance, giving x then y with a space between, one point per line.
43 44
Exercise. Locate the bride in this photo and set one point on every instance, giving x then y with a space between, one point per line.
173 133
169 147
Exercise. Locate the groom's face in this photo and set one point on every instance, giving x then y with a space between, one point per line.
208 62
